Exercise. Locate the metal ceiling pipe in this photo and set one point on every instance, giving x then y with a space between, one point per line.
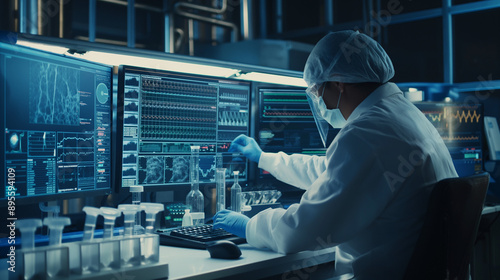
28 16
247 19
136 5
180 6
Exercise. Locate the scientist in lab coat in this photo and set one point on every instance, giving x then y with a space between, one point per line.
368 195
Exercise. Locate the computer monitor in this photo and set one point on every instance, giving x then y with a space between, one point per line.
165 113
461 128
56 117
286 123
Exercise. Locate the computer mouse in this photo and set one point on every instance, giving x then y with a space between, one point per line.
223 249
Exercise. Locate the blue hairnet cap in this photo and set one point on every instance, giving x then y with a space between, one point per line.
347 57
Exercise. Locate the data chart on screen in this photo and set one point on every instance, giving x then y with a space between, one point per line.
165 113
56 117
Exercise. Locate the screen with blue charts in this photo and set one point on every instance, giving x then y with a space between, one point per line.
165 113
286 123
56 117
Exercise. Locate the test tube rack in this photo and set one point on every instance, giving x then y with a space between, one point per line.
135 256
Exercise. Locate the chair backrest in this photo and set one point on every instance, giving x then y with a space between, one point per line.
446 242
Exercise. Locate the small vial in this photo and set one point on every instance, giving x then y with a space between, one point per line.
236 194
187 219
136 192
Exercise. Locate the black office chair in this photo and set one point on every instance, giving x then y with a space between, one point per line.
446 242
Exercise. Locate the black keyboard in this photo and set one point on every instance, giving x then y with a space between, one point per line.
197 237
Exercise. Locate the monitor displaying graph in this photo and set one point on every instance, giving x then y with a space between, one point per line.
56 117
286 124
165 113
461 128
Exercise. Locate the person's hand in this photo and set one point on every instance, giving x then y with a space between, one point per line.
247 146
231 222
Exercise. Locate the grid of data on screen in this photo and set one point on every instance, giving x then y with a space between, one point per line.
286 122
165 114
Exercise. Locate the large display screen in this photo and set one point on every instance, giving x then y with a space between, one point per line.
56 118
166 113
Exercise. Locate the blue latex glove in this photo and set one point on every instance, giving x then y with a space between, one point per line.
232 222
247 146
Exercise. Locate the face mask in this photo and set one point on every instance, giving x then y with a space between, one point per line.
333 116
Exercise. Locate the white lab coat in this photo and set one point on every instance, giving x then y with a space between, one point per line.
367 195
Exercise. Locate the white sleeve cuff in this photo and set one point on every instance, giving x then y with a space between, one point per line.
266 161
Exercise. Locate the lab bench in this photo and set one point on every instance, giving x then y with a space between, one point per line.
191 264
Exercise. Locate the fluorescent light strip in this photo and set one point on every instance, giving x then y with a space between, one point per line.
43 47
273 79
118 59
175 66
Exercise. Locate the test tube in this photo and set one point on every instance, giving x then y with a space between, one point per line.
91 214
129 212
150 244
236 194
151 210
220 181
275 196
130 247
109 248
136 192
55 257
56 226
28 227
89 253
109 215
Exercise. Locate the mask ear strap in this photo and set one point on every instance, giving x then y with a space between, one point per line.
338 102
323 92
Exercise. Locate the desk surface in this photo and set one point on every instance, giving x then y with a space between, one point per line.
253 263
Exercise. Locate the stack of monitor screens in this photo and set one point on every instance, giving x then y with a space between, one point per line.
461 128
162 114
56 115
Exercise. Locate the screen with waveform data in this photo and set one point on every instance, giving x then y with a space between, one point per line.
461 128
56 117
286 123
165 113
